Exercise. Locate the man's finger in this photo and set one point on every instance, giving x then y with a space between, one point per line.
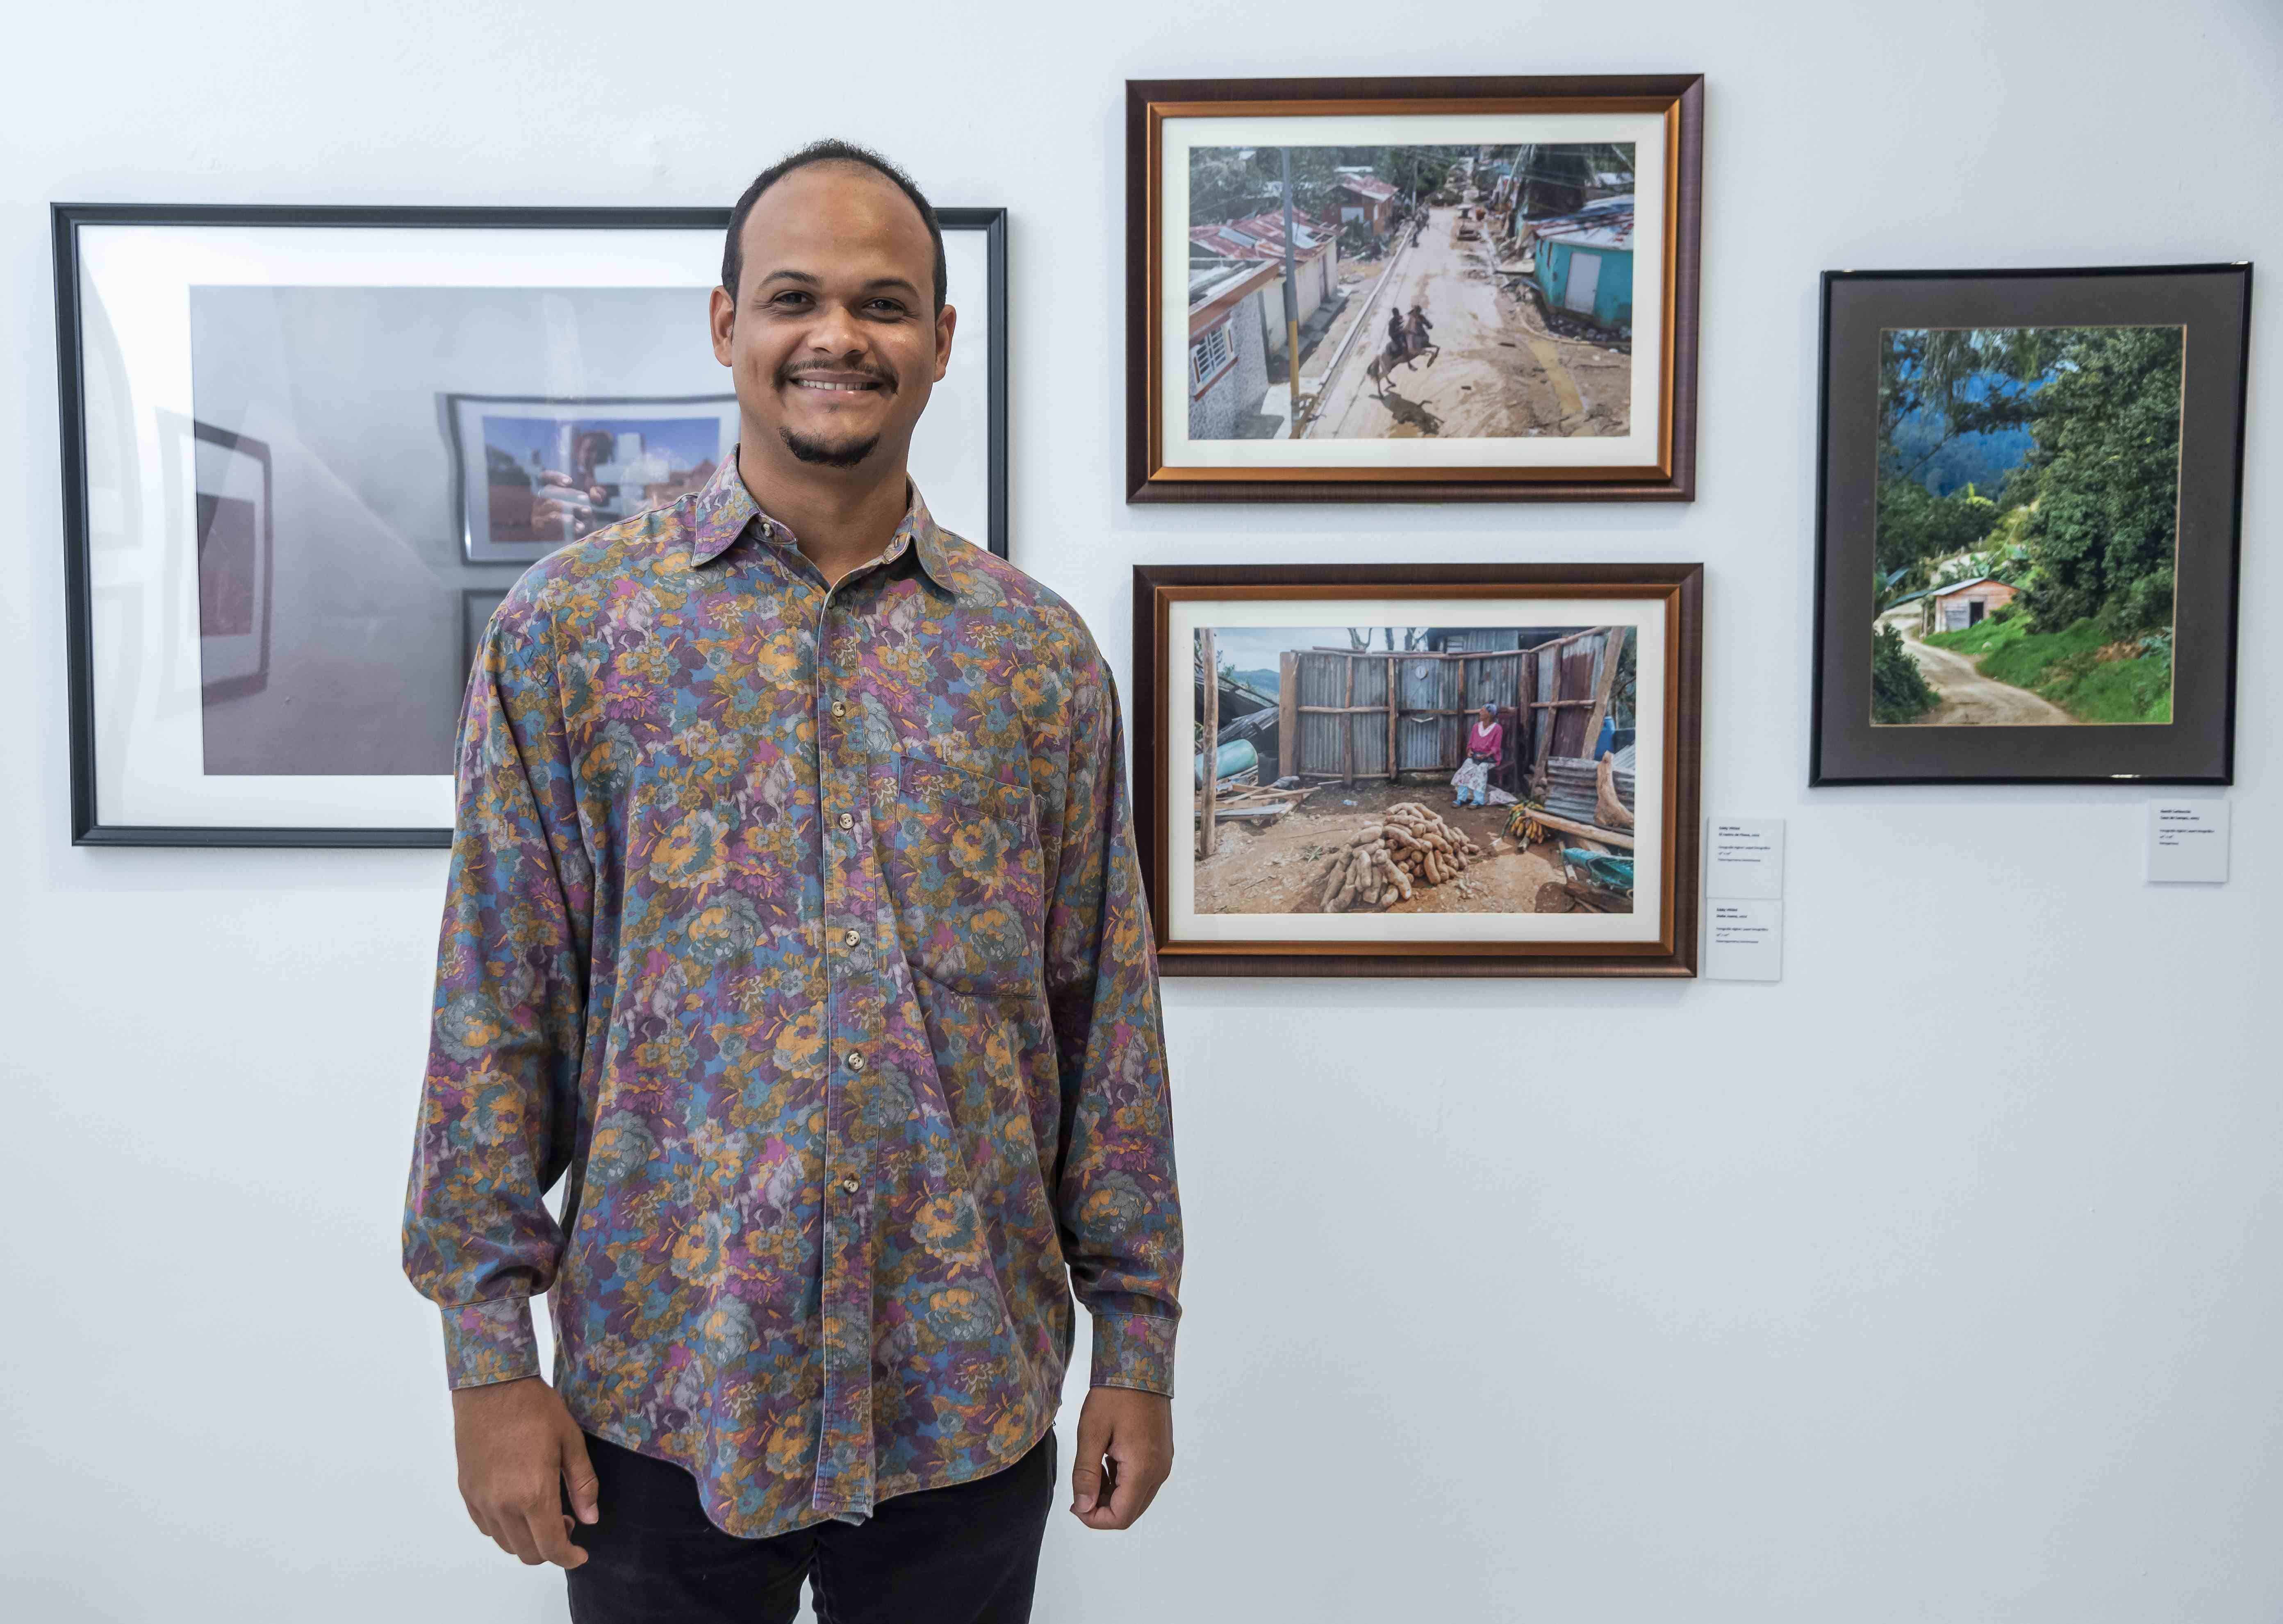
1138 1483
1086 1469
579 1477
550 1538
512 1530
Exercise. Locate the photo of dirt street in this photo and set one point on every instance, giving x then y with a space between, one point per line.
1414 770
1448 292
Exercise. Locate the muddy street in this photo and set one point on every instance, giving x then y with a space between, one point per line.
1971 700
1499 372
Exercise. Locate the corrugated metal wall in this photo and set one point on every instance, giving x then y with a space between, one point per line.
1370 731
1435 697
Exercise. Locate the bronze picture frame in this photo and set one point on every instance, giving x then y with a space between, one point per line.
1663 468
1486 607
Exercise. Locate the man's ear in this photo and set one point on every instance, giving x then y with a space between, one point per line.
947 320
721 317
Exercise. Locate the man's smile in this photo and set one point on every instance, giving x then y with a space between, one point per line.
837 383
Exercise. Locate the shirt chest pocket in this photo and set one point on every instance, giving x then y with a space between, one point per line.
962 865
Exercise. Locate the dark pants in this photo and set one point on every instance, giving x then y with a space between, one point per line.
967 1553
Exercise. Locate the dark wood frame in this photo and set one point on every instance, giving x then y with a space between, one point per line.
1679 586
2213 302
1679 98
65 222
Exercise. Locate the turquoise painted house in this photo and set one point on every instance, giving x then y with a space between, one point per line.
1584 262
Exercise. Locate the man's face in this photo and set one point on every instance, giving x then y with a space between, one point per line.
833 340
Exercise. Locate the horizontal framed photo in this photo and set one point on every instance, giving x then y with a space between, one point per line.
301 443
1420 770
1376 290
534 473
2028 515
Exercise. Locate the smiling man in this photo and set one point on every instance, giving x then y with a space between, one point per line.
794 926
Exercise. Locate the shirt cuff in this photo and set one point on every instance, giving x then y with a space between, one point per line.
488 1342
1133 1350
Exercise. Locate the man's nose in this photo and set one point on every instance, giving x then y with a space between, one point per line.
836 331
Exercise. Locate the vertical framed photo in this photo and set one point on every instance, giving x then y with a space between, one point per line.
234 537
1445 290
300 444
2029 517
1421 770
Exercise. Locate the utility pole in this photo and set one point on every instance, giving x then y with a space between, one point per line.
1291 303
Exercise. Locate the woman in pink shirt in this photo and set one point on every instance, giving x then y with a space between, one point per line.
1484 740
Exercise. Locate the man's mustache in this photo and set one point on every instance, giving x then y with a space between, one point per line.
870 369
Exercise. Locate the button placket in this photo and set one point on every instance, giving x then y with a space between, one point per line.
845 1464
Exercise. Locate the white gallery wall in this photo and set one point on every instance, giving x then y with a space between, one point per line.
1943 1280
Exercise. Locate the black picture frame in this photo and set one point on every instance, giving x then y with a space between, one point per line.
2211 302
66 220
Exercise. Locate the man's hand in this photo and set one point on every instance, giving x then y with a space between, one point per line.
515 1441
1135 1431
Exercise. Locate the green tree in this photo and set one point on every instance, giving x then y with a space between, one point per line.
1914 525
1899 690
2103 534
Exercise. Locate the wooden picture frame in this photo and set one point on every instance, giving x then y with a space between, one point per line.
2115 395
1536 228
1517 637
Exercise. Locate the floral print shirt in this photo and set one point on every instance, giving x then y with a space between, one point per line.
798 932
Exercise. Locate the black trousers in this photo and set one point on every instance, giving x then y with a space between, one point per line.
967 1553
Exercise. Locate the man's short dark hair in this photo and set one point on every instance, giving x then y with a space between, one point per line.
733 252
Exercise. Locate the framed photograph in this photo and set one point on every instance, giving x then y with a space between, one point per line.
233 539
1433 290
1420 770
302 445
476 606
2028 509
534 473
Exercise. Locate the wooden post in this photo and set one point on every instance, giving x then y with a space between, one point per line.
1347 722
1287 714
1613 646
1465 719
1390 718
1211 790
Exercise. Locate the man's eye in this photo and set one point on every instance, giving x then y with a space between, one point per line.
789 298
888 306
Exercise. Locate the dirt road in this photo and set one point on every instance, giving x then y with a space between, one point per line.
1971 700
1269 870
1498 375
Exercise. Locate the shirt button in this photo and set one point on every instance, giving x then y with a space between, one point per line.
856 1061
840 709
847 822
849 1185
852 937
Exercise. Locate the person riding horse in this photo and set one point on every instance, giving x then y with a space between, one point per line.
1408 339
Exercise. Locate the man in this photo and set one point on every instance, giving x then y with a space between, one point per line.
1418 332
794 922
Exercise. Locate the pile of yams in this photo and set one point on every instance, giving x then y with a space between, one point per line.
1381 863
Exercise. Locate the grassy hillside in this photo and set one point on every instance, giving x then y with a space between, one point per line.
2078 668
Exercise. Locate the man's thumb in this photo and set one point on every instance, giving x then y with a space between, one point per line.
579 1476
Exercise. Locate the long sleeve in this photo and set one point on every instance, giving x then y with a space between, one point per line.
497 1111
1116 1200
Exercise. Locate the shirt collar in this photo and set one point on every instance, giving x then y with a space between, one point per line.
725 508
